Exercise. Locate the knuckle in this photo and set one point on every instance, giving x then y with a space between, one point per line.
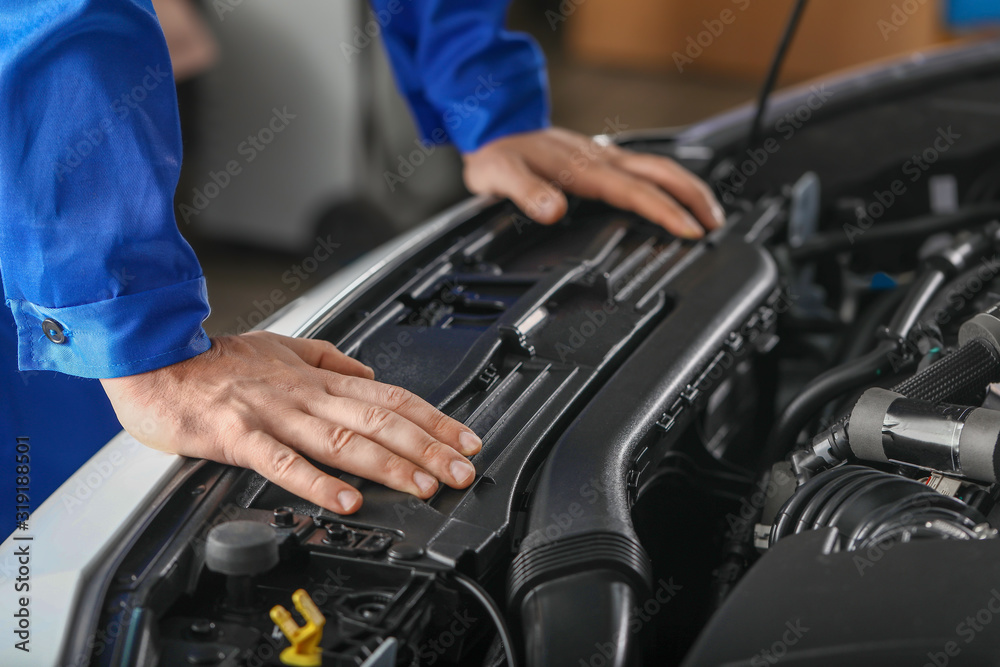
282 462
332 382
440 422
229 450
318 487
235 421
431 452
396 467
328 349
375 419
339 440
396 397
275 400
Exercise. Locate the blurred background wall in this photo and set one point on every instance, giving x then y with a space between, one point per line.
735 38
261 205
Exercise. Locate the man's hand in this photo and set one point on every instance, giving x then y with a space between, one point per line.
532 168
264 402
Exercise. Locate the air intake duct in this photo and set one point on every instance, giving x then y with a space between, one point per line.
869 507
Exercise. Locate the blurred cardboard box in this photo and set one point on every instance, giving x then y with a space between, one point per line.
737 38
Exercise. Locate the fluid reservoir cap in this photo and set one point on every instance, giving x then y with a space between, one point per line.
241 547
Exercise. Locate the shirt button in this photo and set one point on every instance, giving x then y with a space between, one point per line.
54 331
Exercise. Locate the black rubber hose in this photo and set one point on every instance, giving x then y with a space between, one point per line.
857 372
823 389
941 308
934 274
937 309
922 292
869 322
828 242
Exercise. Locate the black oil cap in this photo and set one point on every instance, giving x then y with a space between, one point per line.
241 548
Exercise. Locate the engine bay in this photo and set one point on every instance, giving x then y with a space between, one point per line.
781 441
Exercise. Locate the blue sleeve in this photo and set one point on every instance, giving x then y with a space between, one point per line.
90 154
972 13
466 78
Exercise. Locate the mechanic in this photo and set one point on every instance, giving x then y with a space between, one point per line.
100 283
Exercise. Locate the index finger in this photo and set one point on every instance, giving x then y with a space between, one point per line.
684 186
632 193
290 470
407 404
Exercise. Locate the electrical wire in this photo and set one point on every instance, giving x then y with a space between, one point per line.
492 609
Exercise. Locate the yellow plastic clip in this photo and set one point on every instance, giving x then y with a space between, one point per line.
305 650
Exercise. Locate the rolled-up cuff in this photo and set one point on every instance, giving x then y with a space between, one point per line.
116 337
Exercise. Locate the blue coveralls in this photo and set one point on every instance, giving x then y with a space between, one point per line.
90 154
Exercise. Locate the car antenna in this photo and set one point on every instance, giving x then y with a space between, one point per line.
774 70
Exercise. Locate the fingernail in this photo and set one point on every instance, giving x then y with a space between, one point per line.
469 442
462 471
424 482
719 213
693 230
547 207
348 499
